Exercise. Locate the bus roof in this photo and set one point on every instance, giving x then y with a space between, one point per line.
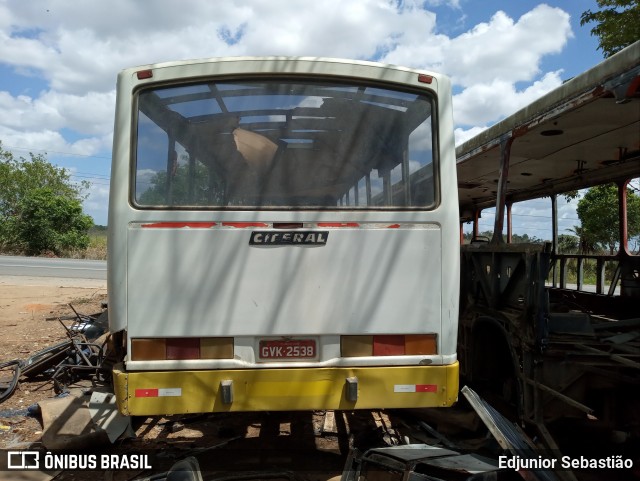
582 133
280 64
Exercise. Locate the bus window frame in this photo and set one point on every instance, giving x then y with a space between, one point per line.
428 93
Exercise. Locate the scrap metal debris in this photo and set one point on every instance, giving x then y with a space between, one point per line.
186 469
80 356
420 461
387 460
72 422
510 438
426 461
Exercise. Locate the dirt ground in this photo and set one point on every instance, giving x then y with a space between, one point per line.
299 441
30 309
29 312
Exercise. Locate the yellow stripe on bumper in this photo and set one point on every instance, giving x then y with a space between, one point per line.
146 393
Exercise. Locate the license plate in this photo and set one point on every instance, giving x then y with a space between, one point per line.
287 349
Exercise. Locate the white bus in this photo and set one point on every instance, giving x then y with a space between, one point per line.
283 235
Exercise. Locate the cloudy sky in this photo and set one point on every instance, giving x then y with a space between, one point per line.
59 58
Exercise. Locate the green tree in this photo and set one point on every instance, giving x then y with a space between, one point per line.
525 239
22 181
50 222
617 24
598 214
586 243
568 244
186 188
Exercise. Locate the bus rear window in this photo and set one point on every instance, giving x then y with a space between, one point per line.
277 144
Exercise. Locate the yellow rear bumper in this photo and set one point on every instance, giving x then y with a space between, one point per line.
176 392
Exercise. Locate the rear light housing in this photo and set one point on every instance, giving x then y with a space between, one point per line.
189 348
144 74
389 345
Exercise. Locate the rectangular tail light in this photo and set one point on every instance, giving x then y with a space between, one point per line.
216 348
420 344
148 349
356 346
182 348
389 345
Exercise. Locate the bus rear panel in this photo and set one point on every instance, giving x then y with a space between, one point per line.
283 236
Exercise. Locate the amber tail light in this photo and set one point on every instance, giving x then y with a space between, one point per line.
161 349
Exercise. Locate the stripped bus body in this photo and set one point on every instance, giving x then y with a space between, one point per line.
283 235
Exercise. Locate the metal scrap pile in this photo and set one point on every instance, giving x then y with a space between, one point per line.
80 356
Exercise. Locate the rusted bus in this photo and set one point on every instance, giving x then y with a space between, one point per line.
546 330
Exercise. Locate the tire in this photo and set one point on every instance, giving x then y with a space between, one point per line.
13 369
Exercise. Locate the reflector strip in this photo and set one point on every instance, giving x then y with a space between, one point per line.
415 388
338 224
146 393
244 225
162 392
170 392
179 225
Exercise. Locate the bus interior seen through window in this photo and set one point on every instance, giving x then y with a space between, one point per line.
275 144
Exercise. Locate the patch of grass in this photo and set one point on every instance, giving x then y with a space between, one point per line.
97 249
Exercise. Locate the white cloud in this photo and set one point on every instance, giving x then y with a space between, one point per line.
26 140
76 49
365 29
82 46
88 114
437 3
504 49
97 201
25 52
51 142
485 103
462 135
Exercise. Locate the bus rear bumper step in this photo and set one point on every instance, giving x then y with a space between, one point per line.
180 392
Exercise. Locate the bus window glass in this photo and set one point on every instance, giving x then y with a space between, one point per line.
278 144
152 153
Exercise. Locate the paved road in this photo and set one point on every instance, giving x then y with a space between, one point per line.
58 268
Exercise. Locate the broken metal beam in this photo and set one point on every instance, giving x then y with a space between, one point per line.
559 395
